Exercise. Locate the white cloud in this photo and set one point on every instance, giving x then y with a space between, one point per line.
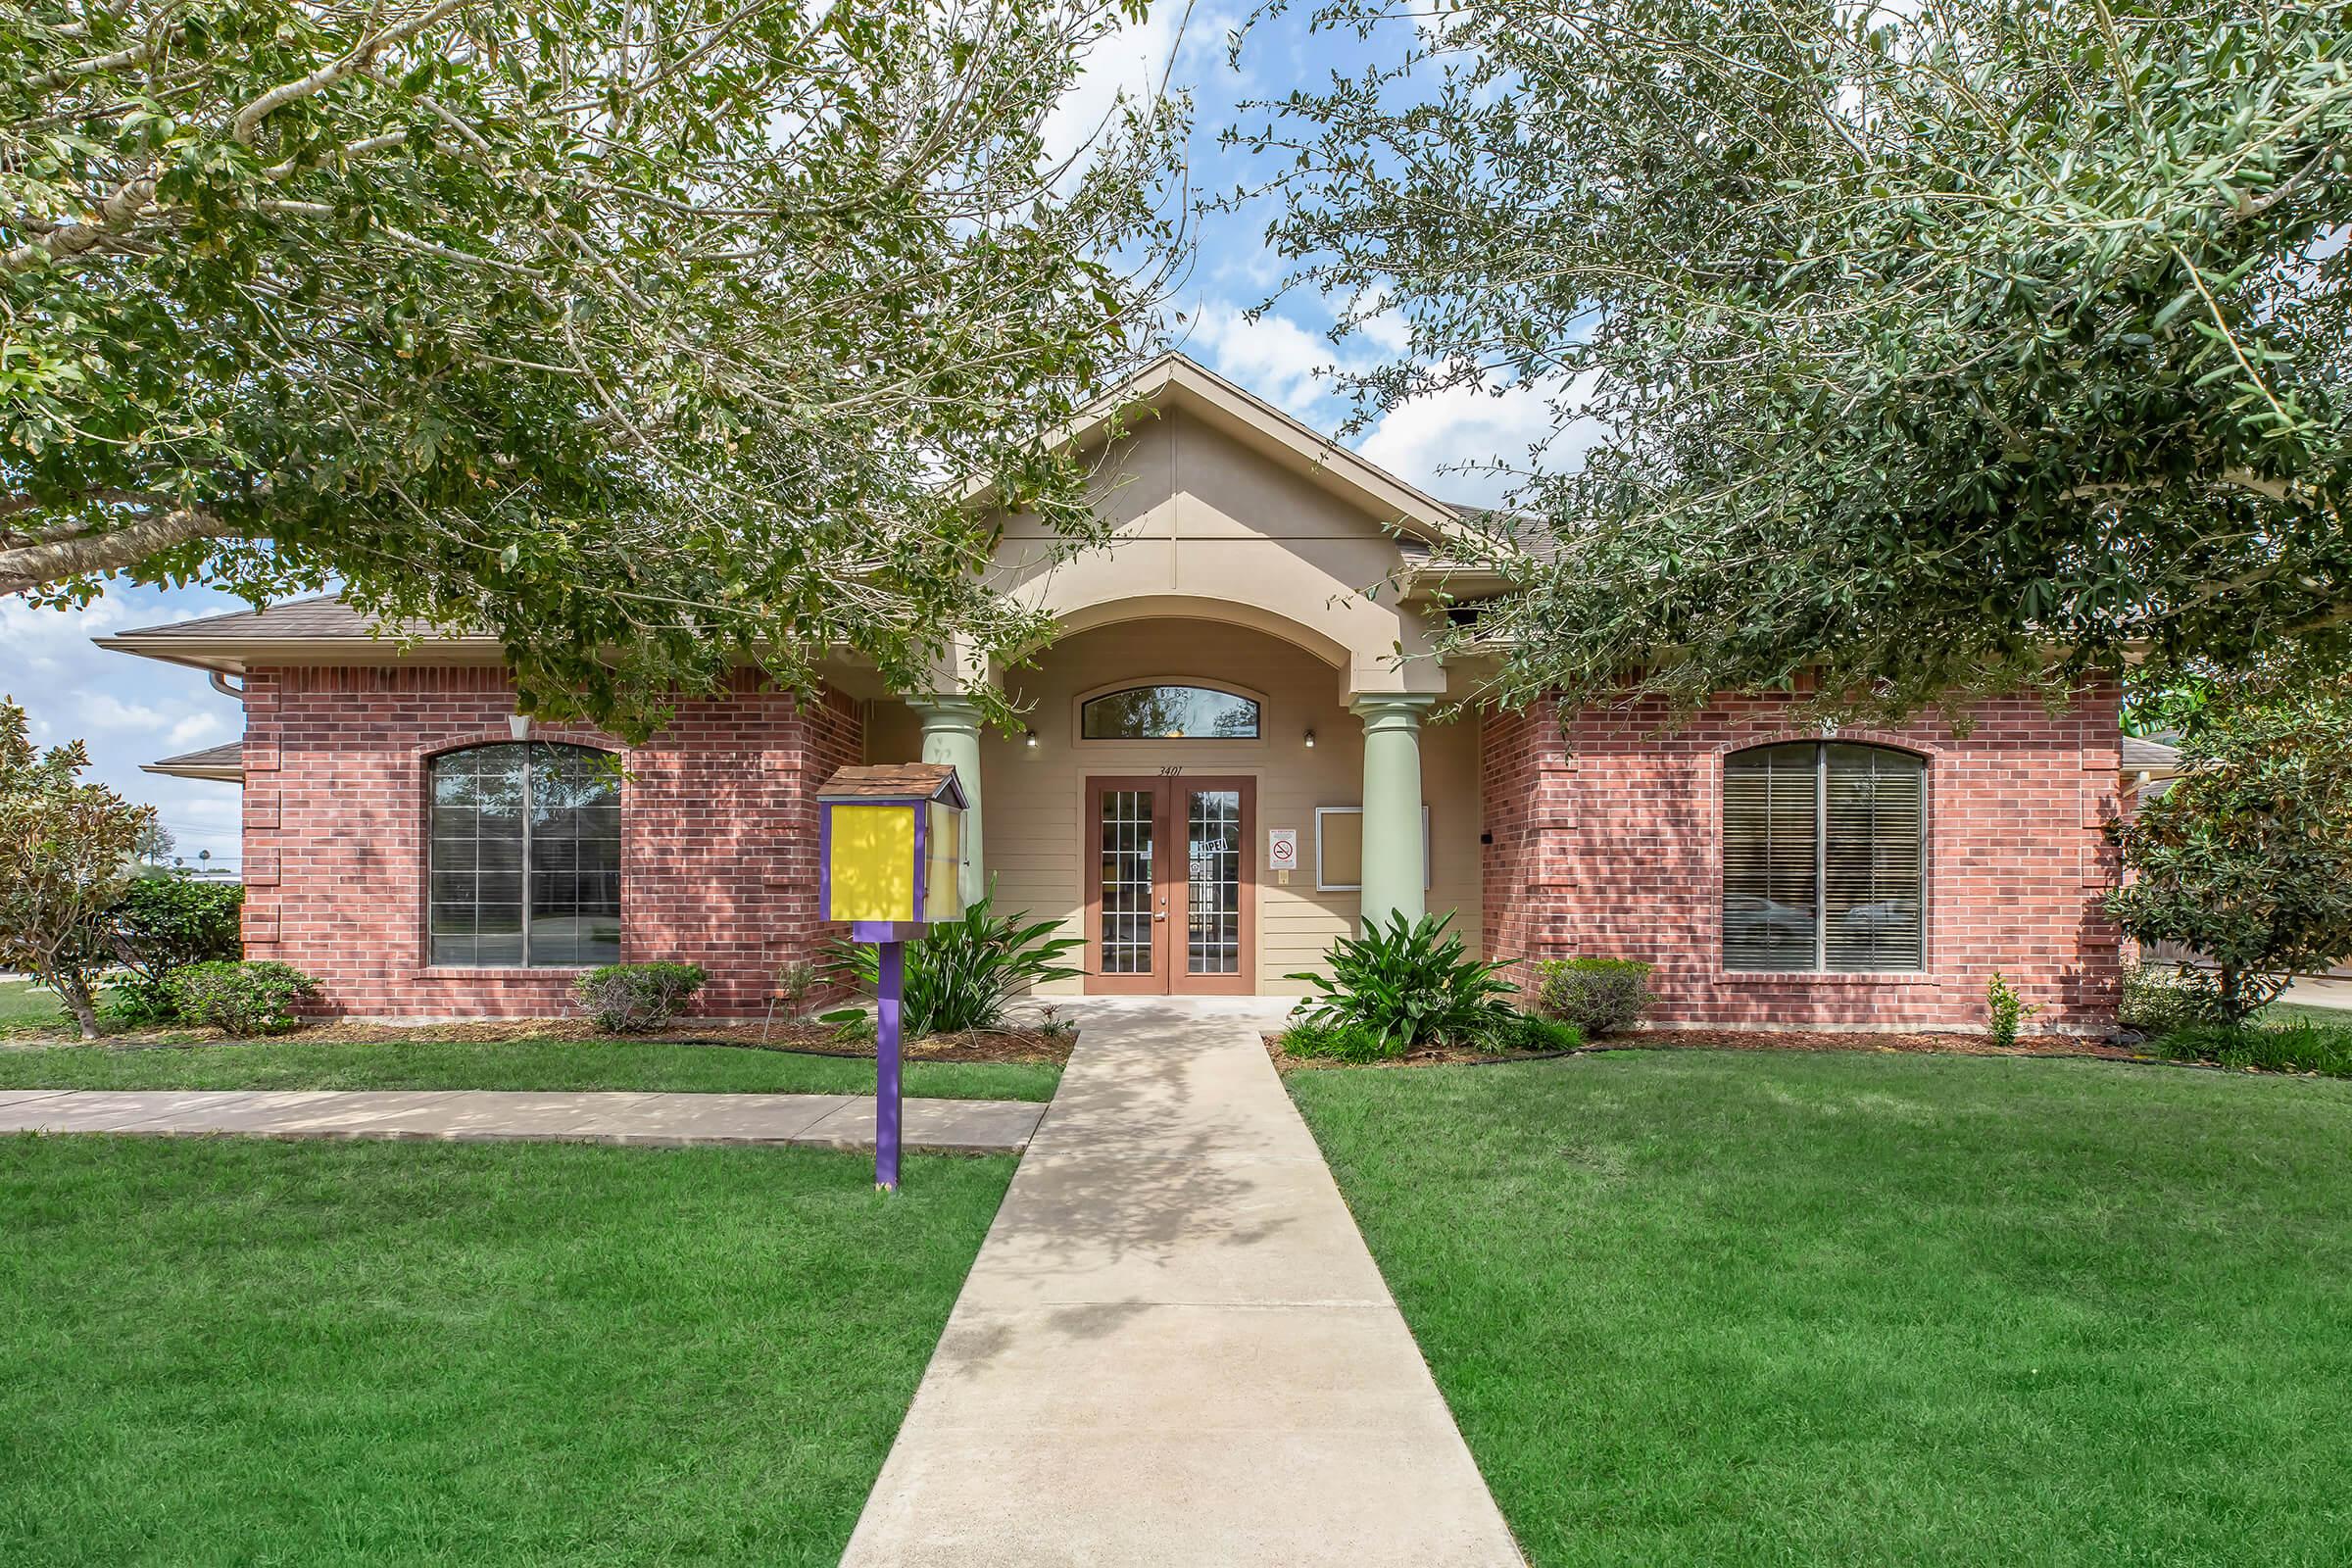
1273 357
1172 45
196 729
1425 441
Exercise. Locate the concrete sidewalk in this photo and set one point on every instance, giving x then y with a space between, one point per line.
1174 1347
476 1115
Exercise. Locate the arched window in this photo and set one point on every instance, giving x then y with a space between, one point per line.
525 858
1168 714
1824 858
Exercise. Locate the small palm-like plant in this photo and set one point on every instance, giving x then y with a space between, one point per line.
959 973
1408 984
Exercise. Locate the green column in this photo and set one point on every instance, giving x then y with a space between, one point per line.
1393 853
951 735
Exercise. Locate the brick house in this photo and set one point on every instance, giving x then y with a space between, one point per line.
1228 764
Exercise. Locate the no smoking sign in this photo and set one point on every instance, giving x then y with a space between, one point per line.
1281 848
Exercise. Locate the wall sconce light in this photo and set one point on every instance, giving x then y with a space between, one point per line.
1029 739
1310 740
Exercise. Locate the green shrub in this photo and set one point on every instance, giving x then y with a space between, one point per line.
2293 1047
1410 984
1347 1042
2158 1001
1532 1031
1599 995
241 999
634 999
959 973
162 924
2004 1009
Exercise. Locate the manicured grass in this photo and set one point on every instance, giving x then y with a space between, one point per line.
2303 1012
23 1002
506 1064
228 1353
1719 1307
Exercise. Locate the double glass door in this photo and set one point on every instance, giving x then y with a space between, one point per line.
1171 901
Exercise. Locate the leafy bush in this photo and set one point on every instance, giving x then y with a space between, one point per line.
165 923
1532 1031
2246 858
2293 1047
1599 995
1347 1042
2005 1009
2158 1001
959 973
1408 985
634 999
241 999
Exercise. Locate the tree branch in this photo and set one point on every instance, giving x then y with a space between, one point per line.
31 566
355 60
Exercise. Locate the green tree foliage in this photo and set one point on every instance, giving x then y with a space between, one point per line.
166 923
1932 348
648 338
64 860
2247 857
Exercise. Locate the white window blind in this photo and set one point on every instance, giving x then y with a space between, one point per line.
1823 858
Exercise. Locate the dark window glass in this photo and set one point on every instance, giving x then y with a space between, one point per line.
1823 858
526 857
1168 714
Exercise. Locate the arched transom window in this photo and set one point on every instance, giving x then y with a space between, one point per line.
1168 714
526 857
1824 858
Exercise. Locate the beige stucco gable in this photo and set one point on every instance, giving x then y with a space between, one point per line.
1211 525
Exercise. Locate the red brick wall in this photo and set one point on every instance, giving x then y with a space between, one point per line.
718 835
1606 841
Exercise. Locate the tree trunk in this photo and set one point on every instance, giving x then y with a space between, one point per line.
2233 988
74 990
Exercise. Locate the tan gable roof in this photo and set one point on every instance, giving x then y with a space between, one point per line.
1172 379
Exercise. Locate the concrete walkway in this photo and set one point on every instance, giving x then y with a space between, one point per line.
474 1115
1174 1347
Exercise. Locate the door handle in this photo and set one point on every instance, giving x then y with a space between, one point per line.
1160 914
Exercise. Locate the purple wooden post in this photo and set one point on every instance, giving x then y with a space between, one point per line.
891 960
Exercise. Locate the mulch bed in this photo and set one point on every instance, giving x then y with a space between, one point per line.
809 1039
1948 1045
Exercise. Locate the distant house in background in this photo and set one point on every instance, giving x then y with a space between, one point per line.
2147 767
1233 754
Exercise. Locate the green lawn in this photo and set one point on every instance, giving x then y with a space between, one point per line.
1737 1308
2303 1012
23 1004
643 1065
242 1352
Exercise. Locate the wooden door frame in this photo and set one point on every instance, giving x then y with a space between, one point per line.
1242 982
1090 868
1168 952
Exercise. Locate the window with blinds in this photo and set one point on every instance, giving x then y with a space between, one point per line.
1824 858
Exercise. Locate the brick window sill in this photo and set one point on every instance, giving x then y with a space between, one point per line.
1821 977
461 971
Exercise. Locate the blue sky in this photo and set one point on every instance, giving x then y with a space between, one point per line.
133 710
